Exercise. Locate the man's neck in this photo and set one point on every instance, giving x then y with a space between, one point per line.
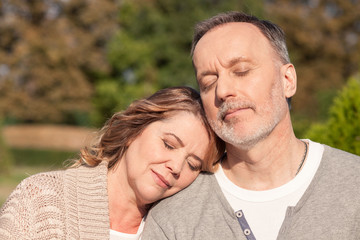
270 163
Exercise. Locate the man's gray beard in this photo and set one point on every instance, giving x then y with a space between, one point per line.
227 132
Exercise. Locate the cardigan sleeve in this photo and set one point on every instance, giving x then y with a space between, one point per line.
34 209
15 219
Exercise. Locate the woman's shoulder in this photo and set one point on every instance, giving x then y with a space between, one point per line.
38 186
33 202
43 180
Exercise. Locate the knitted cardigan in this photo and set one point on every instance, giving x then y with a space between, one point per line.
68 204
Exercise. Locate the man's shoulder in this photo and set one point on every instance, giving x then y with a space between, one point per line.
196 212
189 198
339 169
340 159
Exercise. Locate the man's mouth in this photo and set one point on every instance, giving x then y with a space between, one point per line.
230 109
232 112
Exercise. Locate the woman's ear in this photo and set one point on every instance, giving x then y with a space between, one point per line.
289 79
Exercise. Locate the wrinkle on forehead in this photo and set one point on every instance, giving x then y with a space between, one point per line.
230 36
217 33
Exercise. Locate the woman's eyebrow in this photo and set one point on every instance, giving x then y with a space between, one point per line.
196 157
182 145
177 139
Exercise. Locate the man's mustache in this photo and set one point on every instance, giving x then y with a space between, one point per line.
233 105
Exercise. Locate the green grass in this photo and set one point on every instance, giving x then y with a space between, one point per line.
28 162
37 157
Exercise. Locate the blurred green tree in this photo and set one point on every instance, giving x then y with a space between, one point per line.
323 38
154 41
151 50
6 158
51 52
342 130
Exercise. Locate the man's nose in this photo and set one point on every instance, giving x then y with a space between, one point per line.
225 88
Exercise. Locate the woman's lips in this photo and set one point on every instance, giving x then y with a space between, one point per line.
160 180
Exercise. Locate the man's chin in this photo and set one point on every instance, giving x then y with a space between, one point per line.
244 141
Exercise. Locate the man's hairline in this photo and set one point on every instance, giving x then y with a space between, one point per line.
277 56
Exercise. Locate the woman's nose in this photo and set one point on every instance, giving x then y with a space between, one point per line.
175 165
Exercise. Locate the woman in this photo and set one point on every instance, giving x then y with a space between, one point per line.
153 149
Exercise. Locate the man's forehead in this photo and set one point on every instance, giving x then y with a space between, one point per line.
232 40
239 29
226 33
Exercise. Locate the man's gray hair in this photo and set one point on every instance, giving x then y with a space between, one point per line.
271 31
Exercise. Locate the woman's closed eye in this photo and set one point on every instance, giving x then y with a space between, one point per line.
194 166
168 145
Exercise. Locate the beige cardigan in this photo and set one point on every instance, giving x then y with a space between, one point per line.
69 204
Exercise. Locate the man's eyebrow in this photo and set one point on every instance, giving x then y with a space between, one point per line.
206 73
229 64
177 139
236 60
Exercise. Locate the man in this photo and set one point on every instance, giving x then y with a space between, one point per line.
269 185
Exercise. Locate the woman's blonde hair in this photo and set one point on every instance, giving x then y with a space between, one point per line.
123 127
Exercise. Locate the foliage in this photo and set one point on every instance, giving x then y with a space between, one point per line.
50 54
300 124
54 159
29 162
6 158
342 130
151 50
323 40
63 61
155 38
112 96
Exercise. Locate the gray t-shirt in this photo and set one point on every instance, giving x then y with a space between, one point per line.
329 208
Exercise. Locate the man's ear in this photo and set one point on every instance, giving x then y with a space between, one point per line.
289 79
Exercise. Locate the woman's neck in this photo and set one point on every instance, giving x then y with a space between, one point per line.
125 212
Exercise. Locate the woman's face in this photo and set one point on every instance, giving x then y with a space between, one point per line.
165 158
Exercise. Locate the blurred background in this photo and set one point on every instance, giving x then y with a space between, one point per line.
67 65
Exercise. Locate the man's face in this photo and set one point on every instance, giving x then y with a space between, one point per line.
241 83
